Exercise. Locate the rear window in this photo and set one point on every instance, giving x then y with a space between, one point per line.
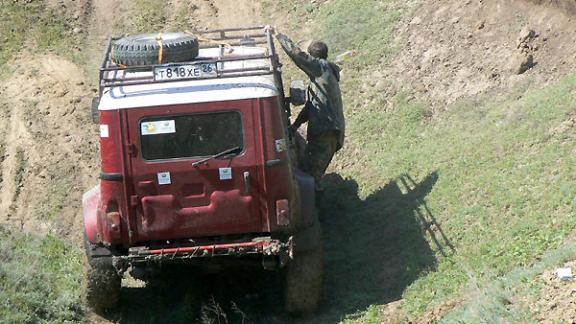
194 135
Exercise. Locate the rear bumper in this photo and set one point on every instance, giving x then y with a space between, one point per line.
265 246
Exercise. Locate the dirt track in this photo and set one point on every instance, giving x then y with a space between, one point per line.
44 115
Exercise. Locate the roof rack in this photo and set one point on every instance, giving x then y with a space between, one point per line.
113 75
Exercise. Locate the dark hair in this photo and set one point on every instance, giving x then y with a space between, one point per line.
318 50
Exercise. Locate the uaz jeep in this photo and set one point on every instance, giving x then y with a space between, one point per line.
196 165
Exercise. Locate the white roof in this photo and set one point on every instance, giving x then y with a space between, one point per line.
193 91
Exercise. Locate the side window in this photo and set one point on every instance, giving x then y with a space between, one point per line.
187 136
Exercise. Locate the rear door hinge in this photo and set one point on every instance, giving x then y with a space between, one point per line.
134 201
131 149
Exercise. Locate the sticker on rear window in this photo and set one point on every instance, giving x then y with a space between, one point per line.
158 127
164 178
225 173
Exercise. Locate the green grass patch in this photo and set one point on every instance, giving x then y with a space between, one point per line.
149 16
364 25
40 279
31 23
55 200
505 189
14 24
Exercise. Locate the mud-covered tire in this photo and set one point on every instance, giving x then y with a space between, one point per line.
144 49
304 273
102 284
94 112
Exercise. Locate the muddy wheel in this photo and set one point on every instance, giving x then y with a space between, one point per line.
304 274
102 284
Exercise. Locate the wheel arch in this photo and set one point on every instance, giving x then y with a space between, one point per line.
306 187
90 202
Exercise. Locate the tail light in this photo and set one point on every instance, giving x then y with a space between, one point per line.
283 212
113 219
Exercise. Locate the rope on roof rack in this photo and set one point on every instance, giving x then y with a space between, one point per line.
208 40
161 49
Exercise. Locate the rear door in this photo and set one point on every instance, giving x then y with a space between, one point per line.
173 198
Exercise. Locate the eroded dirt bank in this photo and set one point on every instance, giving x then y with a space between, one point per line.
454 50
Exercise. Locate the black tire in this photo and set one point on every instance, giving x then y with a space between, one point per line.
304 274
144 49
103 283
94 113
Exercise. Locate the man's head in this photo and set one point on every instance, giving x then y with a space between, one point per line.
318 50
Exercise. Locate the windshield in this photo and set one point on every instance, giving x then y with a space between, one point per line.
188 136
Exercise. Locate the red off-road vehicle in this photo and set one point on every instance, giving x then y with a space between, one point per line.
197 165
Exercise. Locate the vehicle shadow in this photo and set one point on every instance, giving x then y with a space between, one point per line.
373 249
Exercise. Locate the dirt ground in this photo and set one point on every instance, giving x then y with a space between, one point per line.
448 50
49 153
452 50
556 301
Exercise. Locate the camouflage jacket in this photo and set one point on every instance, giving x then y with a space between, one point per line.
323 109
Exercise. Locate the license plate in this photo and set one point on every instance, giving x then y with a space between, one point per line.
185 71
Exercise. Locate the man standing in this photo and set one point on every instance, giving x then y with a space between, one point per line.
323 109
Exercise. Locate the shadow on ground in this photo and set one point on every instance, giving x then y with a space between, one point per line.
374 248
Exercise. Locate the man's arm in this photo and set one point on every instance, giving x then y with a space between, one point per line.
303 60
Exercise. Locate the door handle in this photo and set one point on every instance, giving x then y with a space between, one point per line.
247 182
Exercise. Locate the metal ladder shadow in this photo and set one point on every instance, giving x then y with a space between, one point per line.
427 219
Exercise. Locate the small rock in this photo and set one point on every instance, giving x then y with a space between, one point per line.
480 25
416 21
522 63
61 93
77 30
526 34
564 273
455 20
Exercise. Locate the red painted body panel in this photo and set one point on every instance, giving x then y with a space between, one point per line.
197 203
279 183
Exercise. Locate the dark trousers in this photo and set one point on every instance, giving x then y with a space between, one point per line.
318 155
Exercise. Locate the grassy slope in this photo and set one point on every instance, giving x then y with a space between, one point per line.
505 166
495 173
39 279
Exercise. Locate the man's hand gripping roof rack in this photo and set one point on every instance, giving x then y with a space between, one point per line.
114 75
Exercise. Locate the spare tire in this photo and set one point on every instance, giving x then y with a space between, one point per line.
144 49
